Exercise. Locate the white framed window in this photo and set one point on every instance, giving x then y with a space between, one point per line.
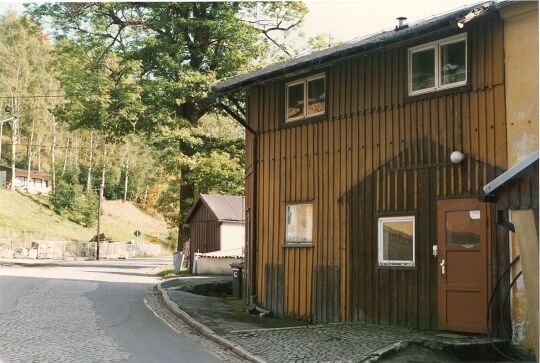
396 241
299 224
305 98
437 65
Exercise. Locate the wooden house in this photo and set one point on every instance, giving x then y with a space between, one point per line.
365 165
216 223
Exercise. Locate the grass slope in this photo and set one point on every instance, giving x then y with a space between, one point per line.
29 217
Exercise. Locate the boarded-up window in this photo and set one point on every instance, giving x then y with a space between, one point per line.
396 241
299 223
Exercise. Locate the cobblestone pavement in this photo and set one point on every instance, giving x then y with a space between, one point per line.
153 303
320 343
57 323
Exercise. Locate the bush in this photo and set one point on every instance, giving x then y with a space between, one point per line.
69 200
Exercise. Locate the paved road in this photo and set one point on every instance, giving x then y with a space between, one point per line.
92 311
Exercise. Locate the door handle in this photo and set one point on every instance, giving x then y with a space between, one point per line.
443 267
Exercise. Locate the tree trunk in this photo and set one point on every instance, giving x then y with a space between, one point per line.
15 130
29 157
126 179
53 156
103 171
1 137
66 155
76 156
90 157
39 154
145 195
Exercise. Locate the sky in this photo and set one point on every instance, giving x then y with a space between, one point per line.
346 20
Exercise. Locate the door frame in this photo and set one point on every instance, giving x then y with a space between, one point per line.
458 204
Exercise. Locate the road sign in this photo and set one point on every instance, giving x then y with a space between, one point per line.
137 233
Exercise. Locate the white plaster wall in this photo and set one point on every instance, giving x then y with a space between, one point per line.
232 236
213 266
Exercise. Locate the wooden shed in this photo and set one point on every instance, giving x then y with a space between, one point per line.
216 223
365 165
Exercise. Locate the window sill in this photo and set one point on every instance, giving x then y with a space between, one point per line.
303 121
437 93
397 267
298 244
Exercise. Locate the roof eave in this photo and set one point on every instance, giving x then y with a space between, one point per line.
422 30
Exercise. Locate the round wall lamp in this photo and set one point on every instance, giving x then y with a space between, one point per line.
456 157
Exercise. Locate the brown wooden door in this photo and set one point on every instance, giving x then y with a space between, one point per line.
462 234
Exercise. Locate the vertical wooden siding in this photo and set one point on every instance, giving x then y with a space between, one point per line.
204 234
376 153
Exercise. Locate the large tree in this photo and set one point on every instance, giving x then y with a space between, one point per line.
181 49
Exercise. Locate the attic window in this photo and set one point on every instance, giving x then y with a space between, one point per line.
438 65
305 98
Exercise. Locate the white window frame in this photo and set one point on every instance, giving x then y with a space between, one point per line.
304 81
436 46
380 242
289 243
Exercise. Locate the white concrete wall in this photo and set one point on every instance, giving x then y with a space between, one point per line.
232 235
213 266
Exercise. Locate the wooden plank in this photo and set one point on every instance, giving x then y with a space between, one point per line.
498 51
354 87
480 50
500 130
361 84
368 82
488 47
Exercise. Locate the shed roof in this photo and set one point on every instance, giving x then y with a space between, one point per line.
224 207
511 174
381 39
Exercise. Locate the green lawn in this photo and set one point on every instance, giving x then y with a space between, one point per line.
29 217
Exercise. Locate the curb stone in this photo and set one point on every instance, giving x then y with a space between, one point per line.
203 329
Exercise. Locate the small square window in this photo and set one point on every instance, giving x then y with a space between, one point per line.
316 96
299 224
295 101
452 59
396 241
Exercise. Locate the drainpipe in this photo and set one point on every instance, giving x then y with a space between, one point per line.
252 255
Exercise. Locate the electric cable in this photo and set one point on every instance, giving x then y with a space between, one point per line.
489 310
506 297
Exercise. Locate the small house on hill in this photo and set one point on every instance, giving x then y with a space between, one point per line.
216 223
39 181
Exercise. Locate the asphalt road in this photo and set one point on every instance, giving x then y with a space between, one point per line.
89 311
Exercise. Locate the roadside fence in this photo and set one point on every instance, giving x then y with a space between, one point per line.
47 249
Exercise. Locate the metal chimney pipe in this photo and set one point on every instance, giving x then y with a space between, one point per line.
401 22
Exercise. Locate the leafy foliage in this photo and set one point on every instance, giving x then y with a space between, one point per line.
148 68
70 201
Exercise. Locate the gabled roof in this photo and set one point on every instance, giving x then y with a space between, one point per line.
378 40
511 174
224 207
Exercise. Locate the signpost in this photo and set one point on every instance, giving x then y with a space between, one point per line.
137 234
